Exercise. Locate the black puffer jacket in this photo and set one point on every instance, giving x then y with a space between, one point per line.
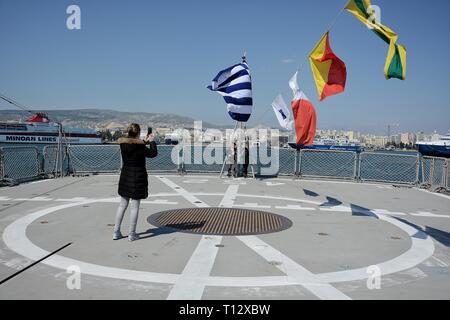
133 181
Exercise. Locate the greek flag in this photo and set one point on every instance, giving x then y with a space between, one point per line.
235 85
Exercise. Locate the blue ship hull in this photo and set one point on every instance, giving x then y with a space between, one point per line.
434 151
326 148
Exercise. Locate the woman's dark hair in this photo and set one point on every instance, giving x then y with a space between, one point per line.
133 130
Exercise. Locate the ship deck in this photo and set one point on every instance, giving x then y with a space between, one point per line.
341 235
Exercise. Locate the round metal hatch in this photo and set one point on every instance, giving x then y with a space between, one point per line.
220 221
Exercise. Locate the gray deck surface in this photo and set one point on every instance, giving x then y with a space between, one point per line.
339 230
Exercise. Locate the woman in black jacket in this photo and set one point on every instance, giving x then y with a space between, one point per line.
133 183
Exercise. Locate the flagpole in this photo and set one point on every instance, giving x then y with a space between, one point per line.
244 60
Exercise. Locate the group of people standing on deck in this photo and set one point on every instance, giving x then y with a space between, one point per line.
133 182
236 158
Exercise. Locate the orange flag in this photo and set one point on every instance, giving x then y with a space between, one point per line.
305 120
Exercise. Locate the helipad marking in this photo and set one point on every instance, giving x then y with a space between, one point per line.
45 199
293 270
164 194
336 208
280 198
387 212
235 181
207 194
252 205
75 199
189 285
385 187
442 263
15 238
229 196
202 260
274 184
160 201
421 249
185 194
39 181
294 207
429 215
195 181
434 193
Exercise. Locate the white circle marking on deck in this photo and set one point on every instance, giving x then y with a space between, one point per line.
15 238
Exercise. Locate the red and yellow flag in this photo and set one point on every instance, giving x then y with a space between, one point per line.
329 71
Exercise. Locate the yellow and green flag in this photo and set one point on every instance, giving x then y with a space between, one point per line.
396 59
395 62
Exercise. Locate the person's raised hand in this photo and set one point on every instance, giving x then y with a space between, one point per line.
149 138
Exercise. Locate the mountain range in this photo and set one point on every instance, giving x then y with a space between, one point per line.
101 119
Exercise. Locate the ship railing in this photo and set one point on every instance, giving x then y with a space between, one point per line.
98 159
19 164
94 159
328 164
170 159
389 168
435 173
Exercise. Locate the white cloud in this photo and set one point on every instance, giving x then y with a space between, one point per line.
287 60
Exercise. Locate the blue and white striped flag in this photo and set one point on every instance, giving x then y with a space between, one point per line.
235 85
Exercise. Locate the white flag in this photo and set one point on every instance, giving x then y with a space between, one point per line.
294 86
282 112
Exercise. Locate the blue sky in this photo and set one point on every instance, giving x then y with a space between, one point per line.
159 56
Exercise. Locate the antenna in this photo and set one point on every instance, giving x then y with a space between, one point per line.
14 103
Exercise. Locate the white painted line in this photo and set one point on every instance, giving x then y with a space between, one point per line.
385 187
75 199
16 239
434 193
387 212
235 181
442 263
5 199
336 208
159 201
185 194
207 194
163 194
295 207
429 215
229 196
196 181
188 286
274 184
293 270
34 199
281 198
251 205
40 181
421 249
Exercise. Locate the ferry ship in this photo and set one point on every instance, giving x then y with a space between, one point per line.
39 129
331 145
439 148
